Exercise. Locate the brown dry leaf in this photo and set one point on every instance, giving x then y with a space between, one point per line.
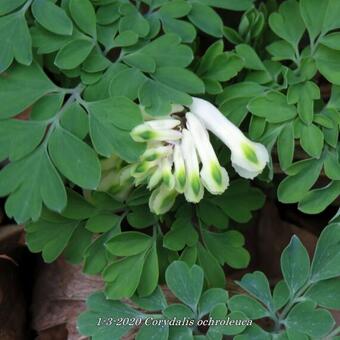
59 296
273 236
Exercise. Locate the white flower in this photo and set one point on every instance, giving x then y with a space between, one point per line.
167 175
162 199
156 130
248 158
156 152
179 172
214 177
193 188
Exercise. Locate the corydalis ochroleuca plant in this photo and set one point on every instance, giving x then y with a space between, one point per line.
180 158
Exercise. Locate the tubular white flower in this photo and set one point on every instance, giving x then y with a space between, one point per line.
155 178
248 158
193 188
180 173
214 177
163 124
167 175
154 153
146 133
142 170
162 199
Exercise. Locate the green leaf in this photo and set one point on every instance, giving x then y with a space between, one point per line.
124 39
304 95
182 233
30 81
252 61
186 283
141 61
141 217
147 332
120 111
167 51
295 265
121 281
287 23
213 273
286 146
48 42
83 14
150 273
212 215
178 311
240 190
280 294
74 159
102 222
327 62
249 306
154 302
109 128
77 245
15 40
325 293
179 79
100 308
30 182
306 319
254 332
182 28
262 106
73 54
293 188
326 261
320 16
96 62
175 9
8 6
331 40
332 165
206 19
50 237
157 98
257 285
281 50
108 14
75 120
228 248
312 140
47 106
319 199
52 17
128 243
127 83
18 138
134 21
77 207
236 327
239 5
95 256
210 298
224 67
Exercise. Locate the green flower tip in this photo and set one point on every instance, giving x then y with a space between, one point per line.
250 153
196 185
141 168
181 178
168 201
147 135
216 174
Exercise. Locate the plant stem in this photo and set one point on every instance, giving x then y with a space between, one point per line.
295 299
331 335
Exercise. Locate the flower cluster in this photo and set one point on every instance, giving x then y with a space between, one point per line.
180 158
